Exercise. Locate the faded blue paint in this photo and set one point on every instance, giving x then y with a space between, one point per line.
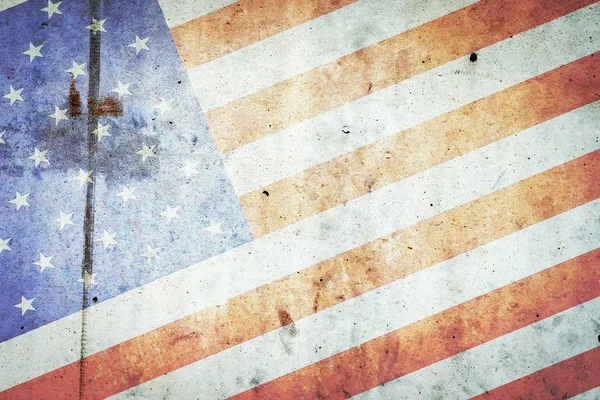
179 135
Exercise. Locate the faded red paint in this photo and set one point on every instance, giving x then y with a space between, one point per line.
446 334
563 380
379 66
242 23
416 149
358 271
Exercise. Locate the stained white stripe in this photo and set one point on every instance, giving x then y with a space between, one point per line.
593 394
6 4
391 307
413 101
305 243
310 45
178 12
500 361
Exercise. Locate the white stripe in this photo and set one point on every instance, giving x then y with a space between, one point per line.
6 4
384 310
310 45
500 361
413 101
305 243
181 11
593 394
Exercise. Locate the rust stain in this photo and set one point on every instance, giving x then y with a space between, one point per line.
107 106
74 101
284 317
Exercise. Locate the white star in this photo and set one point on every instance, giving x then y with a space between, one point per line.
146 151
126 194
33 52
76 70
14 95
107 239
2 140
96 26
139 45
170 213
59 115
83 177
64 219
52 9
88 279
102 131
164 106
25 305
39 157
214 228
4 245
122 89
44 262
150 254
20 200
189 169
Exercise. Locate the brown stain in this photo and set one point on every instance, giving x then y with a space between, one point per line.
383 64
74 101
242 23
109 106
187 337
287 323
428 144
345 276
448 333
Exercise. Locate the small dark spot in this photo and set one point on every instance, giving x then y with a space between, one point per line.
473 57
430 205
410 248
598 335
171 122
178 81
95 299
254 381
537 315
266 193
22 327
345 129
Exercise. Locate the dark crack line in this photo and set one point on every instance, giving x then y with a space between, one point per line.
88 225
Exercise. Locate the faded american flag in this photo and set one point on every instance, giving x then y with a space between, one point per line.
299 199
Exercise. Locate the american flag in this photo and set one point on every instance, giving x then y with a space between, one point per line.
300 199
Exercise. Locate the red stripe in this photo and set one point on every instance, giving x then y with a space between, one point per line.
559 381
442 335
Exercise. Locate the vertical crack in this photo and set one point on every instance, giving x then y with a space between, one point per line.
88 225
